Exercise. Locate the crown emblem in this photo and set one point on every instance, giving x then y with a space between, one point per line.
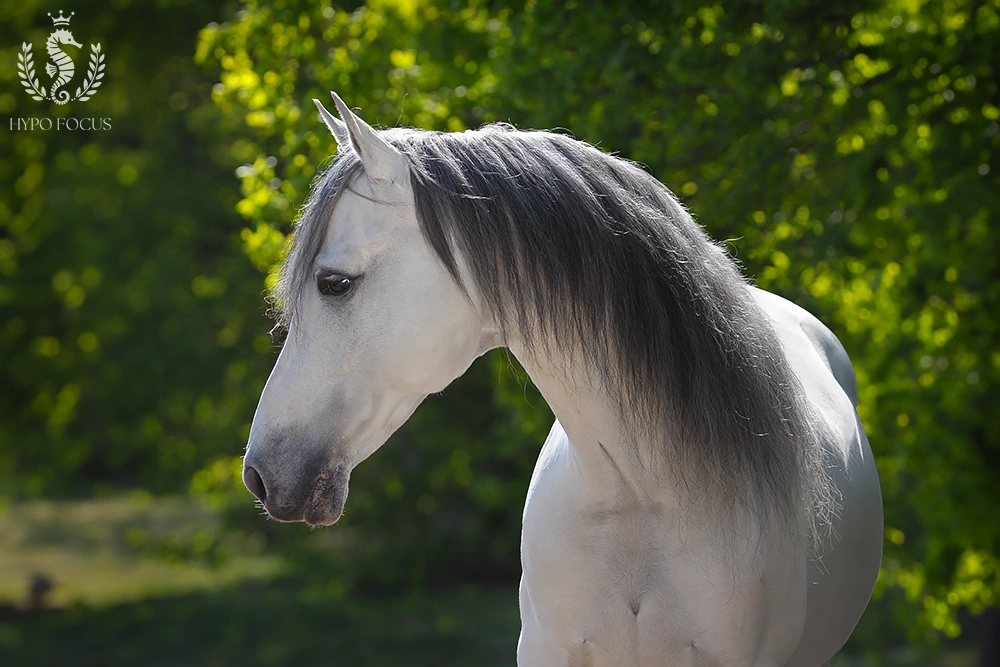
61 20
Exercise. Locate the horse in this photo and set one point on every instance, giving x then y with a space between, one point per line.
707 494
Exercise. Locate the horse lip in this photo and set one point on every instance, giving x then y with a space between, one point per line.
329 495
284 515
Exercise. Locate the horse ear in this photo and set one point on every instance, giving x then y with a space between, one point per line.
382 162
336 125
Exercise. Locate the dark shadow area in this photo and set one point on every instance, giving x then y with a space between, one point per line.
275 623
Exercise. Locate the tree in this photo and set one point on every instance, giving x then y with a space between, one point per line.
845 149
129 319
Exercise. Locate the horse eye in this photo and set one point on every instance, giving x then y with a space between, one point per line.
333 284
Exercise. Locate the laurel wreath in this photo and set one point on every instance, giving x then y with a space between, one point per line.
95 72
26 70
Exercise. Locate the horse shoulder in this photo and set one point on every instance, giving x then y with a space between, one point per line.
842 575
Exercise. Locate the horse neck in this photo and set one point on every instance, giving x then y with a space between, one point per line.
588 413
622 462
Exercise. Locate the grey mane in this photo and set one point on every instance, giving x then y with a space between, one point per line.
571 243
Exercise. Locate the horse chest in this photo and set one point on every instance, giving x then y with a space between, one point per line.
630 582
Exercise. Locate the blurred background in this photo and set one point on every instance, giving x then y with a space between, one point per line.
846 150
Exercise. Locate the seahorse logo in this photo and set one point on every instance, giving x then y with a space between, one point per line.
60 66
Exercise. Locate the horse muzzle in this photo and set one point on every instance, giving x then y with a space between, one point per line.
317 496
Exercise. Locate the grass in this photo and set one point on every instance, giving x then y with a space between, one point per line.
111 550
127 592
273 623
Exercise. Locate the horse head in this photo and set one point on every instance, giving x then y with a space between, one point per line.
378 323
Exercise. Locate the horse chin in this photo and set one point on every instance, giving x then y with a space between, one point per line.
329 495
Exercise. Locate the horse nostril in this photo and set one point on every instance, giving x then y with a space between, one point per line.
254 484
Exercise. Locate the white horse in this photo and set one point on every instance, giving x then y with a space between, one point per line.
707 496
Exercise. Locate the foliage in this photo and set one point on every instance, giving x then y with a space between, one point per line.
131 328
846 149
